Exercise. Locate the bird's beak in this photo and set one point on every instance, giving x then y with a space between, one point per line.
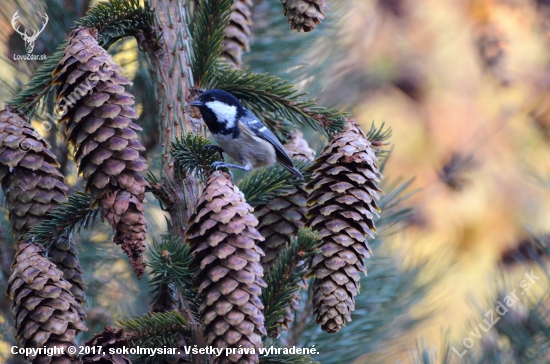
196 103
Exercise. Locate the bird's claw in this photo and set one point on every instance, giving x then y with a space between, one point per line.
216 148
219 164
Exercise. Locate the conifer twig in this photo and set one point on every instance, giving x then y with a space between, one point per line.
154 328
170 261
263 93
66 218
192 153
263 185
207 33
285 274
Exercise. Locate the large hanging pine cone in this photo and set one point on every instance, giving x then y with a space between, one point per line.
99 126
304 14
33 187
223 236
237 33
46 313
107 339
342 209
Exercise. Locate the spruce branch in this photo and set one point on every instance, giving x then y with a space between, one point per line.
193 155
207 33
264 94
263 185
394 212
170 262
114 19
154 329
40 84
388 293
378 137
67 218
285 274
158 190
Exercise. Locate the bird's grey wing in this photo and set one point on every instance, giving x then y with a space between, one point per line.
261 131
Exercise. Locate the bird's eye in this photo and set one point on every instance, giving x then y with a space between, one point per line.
212 98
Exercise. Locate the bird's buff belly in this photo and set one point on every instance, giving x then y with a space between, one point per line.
252 150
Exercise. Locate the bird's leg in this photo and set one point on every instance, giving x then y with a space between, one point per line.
219 164
216 148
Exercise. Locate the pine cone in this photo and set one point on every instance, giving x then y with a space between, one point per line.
237 33
33 187
281 219
100 129
304 14
298 147
107 339
223 236
28 171
45 312
342 209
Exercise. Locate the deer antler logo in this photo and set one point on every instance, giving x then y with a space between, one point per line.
29 39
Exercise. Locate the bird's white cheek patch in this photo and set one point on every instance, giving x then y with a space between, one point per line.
224 112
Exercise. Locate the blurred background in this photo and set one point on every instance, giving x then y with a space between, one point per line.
464 86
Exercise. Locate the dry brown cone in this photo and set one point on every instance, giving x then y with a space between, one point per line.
107 339
237 33
99 126
342 208
33 187
304 14
281 218
224 240
45 311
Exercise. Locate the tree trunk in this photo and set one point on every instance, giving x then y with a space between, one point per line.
168 51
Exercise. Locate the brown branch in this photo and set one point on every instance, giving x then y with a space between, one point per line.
168 50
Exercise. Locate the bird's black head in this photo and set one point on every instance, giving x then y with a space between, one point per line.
220 111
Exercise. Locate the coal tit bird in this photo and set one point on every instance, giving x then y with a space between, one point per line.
240 134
